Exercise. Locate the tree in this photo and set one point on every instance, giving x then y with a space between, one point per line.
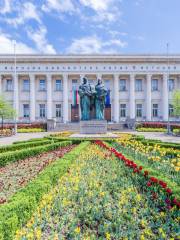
6 111
176 103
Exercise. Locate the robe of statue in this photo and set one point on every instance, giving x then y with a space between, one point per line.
100 98
85 102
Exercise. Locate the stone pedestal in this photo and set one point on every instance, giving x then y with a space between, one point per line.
51 124
93 127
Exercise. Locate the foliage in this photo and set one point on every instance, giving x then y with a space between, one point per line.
30 130
176 103
17 175
6 111
20 207
27 125
13 156
176 131
5 132
143 129
102 198
156 125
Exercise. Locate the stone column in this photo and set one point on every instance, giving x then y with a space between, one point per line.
16 94
49 96
116 98
148 97
132 97
165 97
32 98
65 98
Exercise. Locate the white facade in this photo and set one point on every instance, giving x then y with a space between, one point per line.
140 86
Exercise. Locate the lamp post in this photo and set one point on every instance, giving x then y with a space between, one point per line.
15 79
168 75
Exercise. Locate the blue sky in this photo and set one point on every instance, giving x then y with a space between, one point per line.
89 26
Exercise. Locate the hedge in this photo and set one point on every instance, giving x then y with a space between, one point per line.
143 129
30 140
24 145
30 130
19 209
5 158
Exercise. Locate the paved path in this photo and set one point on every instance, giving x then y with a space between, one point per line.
26 136
158 136
21 137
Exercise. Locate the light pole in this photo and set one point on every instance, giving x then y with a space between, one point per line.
168 75
15 79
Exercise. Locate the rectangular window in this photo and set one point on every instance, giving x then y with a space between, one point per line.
42 85
9 85
58 110
171 110
138 110
26 85
42 110
25 110
74 84
171 85
154 85
58 85
138 85
155 110
91 81
122 86
123 110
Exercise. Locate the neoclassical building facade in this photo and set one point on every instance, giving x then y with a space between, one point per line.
42 87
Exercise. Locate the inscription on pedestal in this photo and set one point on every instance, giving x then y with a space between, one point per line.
93 127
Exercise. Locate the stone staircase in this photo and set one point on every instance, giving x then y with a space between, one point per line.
75 127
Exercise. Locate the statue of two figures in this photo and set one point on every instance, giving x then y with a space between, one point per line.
92 97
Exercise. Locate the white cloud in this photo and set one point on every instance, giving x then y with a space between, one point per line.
7 45
6 6
39 38
100 5
93 44
58 5
25 12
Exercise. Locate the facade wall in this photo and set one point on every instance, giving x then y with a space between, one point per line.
114 70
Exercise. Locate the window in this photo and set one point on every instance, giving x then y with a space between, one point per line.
42 85
42 111
138 110
155 110
154 85
58 85
171 85
171 110
26 85
91 81
58 110
25 110
123 110
138 85
122 85
74 84
9 86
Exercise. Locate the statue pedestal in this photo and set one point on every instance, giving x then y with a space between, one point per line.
93 127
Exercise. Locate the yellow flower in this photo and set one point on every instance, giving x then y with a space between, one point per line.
38 233
142 237
108 236
77 230
102 194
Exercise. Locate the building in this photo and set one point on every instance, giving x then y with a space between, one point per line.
45 86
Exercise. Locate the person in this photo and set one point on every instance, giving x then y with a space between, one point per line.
100 97
85 101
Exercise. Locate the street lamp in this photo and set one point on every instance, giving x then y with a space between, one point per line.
15 79
168 75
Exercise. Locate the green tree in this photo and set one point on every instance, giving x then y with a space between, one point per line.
176 102
6 111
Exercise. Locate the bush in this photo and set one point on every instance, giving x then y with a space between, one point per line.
6 133
21 206
29 152
143 129
157 125
30 130
176 131
26 125
31 140
24 145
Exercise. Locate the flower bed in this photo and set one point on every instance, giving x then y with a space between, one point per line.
6 132
16 175
157 125
20 207
30 130
144 129
14 156
101 198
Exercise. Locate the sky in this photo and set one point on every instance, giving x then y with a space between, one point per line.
90 26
